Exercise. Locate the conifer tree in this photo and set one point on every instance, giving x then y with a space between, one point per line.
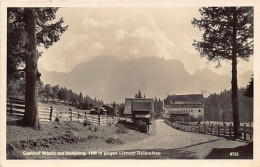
228 35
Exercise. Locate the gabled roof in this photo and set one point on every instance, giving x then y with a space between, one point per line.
142 106
184 99
108 105
137 102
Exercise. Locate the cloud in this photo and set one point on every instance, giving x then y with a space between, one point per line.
133 35
129 34
187 42
133 51
98 45
77 39
119 34
88 22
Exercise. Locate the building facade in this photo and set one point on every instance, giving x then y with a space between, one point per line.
184 108
139 109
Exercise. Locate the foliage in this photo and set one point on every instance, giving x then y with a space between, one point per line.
228 35
48 31
158 108
29 29
217 24
139 95
16 88
215 103
86 122
57 118
114 141
121 128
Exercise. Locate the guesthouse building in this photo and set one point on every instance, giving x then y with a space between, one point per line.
184 108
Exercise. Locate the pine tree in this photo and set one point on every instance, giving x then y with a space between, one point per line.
29 28
228 35
139 94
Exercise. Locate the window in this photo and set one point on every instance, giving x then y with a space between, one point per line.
199 110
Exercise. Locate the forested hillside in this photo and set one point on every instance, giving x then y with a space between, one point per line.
216 104
48 93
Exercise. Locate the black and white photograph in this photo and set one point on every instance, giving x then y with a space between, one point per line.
129 82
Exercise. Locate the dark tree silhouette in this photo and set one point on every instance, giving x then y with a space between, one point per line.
228 35
29 28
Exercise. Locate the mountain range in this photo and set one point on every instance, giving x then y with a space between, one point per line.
111 79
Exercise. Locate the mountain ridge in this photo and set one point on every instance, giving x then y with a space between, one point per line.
111 79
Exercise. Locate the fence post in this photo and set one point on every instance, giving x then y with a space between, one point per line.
211 126
98 119
250 131
51 113
199 129
244 131
78 115
11 105
205 129
218 130
70 114
224 130
230 127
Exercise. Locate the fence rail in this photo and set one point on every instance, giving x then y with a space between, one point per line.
216 130
16 107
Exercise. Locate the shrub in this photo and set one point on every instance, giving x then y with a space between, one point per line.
95 128
121 129
86 123
57 119
114 141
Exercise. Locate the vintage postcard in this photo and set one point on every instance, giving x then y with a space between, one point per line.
158 84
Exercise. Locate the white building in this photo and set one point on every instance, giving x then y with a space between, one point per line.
186 108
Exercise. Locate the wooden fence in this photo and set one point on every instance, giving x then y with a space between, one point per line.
16 107
216 130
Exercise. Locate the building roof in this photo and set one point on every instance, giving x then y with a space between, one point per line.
108 105
138 104
183 106
184 99
142 106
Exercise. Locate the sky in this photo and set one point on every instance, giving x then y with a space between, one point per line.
129 35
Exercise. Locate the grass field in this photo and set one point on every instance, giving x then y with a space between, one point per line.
61 108
63 136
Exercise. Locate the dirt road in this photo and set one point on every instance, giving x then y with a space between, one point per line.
172 143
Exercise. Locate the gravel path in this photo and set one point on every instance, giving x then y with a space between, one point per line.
174 143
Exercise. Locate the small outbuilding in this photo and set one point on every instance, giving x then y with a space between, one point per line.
139 109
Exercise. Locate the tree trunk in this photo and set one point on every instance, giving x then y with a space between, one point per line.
31 117
234 77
